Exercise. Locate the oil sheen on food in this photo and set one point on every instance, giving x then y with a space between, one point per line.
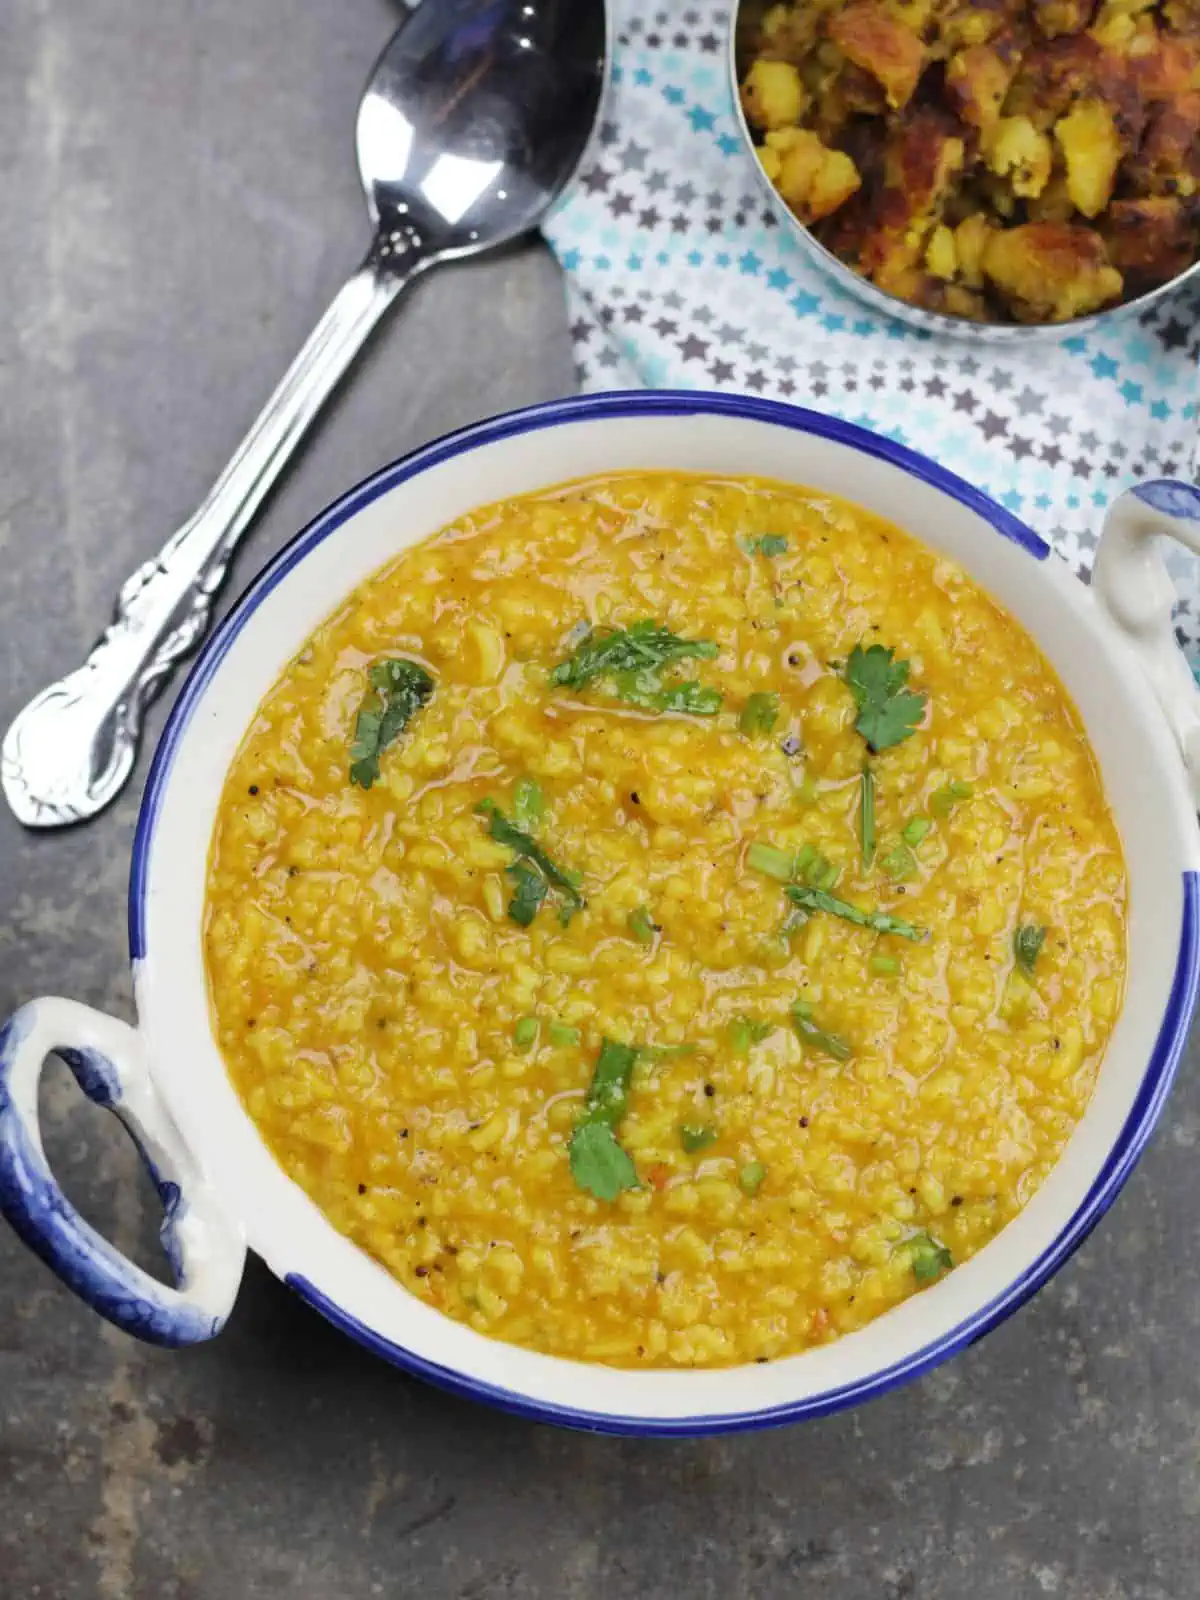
821 1118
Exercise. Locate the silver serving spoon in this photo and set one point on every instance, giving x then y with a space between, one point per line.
475 118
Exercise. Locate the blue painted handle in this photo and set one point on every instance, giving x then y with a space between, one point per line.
205 1250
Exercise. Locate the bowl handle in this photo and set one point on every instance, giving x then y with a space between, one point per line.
205 1250
1131 582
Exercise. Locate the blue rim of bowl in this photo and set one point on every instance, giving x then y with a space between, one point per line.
1160 1069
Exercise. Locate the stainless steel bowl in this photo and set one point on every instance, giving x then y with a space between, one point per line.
745 16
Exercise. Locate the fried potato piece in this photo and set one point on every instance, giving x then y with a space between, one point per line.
790 32
971 23
970 242
1053 75
1055 17
813 179
941 256
1092 151
1051 272
847 94
1182 15
977 81
1169 159
773 95
1151 240
1054 204
1022 154
1163 66
921 161
879 44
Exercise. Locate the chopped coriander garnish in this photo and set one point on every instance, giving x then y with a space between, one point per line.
809 899
899 862
866 816
808 863
764 544
398 689
561 1035
598 1163
759 714
525 1033
529 803
805 791
1027 946
884 966
744 1032
640 647
887 712
780 864
942 801
751 1178
696 1136
635 658
665 1052
646 691
831 1044
642 926
929 1258
533 873
529 890
915 830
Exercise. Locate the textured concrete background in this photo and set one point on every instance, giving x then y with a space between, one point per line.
179 202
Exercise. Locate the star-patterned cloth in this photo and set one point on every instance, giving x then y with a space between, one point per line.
680 275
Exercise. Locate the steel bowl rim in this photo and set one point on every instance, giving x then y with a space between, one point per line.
880 300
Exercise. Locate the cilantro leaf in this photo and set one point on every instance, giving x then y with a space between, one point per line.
1027 946
900 862
745 1032
641 646
751 1177
646 690
634 658
765 544
866 815
915 830
608 1093
759 714
398 689
809 899
529 891
533 873
830 1044
887 711
529 803
943 801
696 1136
929 1258
598 1163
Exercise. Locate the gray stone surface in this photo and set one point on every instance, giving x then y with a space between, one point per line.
179 203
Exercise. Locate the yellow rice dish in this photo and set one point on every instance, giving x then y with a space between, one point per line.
666 921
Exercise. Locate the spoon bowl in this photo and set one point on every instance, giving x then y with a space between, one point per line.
475 119
475 115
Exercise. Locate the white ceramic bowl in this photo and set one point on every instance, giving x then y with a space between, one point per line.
222 1189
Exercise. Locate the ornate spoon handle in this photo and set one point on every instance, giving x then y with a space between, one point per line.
69 752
